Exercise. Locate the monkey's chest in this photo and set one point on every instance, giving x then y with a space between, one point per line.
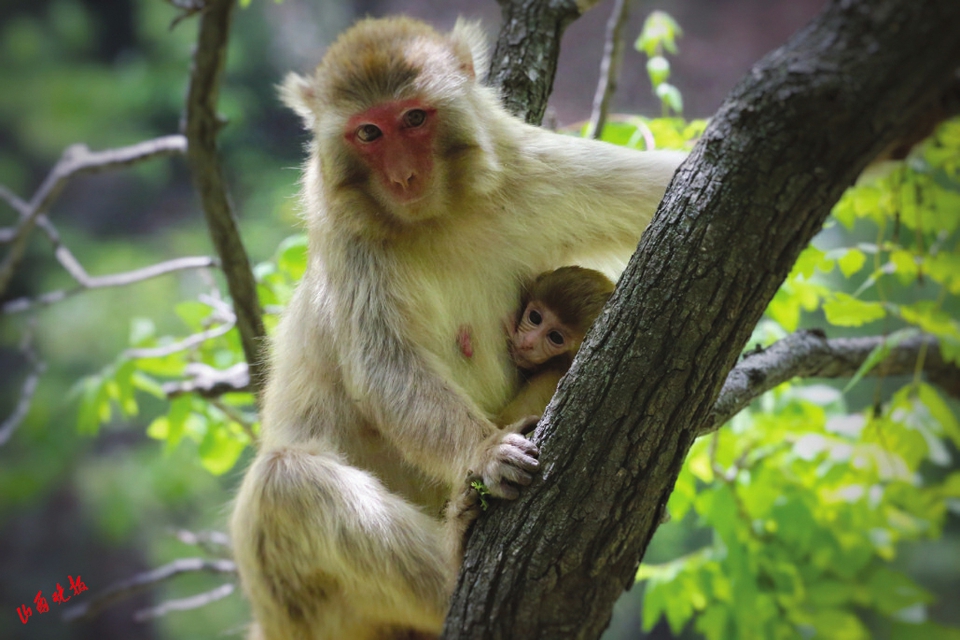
456 315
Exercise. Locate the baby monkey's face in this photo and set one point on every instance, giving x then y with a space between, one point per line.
540 336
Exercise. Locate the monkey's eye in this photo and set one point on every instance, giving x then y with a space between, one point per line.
368 132
535 317
414 117
556 338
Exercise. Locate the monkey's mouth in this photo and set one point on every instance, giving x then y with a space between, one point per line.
518 358
408 197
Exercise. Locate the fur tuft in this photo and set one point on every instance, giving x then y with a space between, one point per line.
470 40
297 93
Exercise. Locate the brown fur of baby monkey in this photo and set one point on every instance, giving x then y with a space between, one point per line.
561 307
427 206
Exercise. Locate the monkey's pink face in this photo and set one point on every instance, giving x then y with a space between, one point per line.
539 337
396 140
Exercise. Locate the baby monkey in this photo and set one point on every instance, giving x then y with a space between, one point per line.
558 310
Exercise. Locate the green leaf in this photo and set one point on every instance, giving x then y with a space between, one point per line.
851 262
944 267
713 623
940 412
670 96
683 494
892 591
879 354
177 416
839 625
220 450
654 602
193 313
906 266
125 397
808 261
928 315
830 593
846 311
159 429
658 69
91 410
292 256
145 383
659 30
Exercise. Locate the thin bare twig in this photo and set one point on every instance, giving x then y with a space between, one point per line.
27 391
181 345
208 382
143 581
609 67
187 9
209 541
809 354
86 281
76 159
201 126
185 604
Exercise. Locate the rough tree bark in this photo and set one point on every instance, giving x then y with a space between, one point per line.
790 137
524 60
201 125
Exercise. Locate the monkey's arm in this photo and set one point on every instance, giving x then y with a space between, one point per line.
594 197
532 398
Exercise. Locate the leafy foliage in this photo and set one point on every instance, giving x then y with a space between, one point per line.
809 500
222 428
658 36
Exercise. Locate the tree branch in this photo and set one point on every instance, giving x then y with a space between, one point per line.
181 345
201 127
27 391
809 354
793 134
86 281
208 382
185 604
76 159
609 67
524 60
143 581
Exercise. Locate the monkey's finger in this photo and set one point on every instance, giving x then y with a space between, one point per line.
519 442
517 458
505 490
515 475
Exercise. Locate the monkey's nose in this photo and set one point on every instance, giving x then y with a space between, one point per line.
405 182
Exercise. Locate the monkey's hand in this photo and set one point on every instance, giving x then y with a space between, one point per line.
508 460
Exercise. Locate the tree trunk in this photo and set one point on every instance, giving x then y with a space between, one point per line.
786 143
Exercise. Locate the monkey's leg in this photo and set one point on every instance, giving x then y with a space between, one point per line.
325 551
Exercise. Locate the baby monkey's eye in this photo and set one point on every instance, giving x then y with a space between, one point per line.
556 338
535 317
414 117
368 132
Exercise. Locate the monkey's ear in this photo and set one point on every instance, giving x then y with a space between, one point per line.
297 93
470 45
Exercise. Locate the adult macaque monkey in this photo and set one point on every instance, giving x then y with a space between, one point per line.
558 311
427 205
